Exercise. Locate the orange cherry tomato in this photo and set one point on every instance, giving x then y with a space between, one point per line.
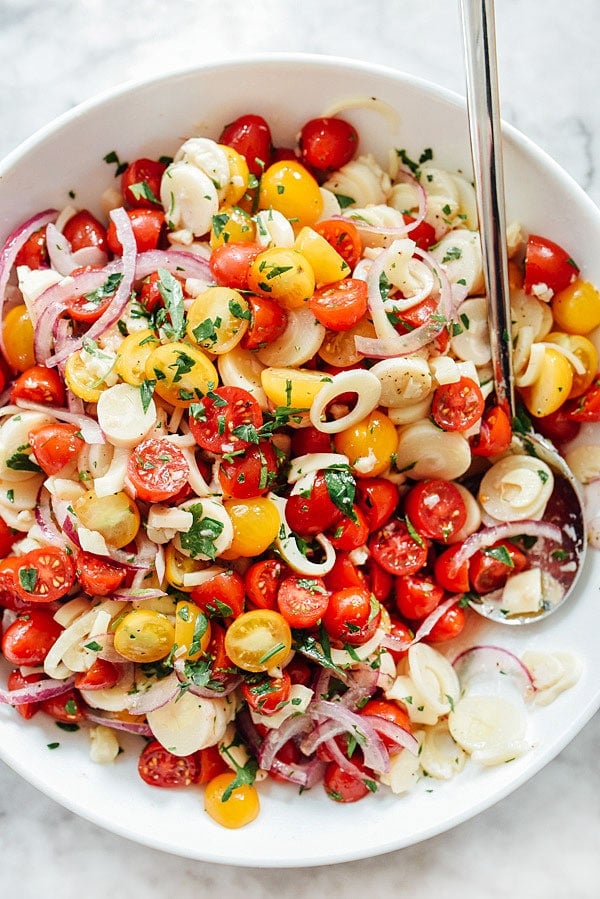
340 306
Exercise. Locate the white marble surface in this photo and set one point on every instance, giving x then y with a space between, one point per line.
544 839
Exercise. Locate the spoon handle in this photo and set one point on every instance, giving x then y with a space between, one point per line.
486 148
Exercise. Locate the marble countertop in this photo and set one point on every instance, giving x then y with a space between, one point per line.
544 839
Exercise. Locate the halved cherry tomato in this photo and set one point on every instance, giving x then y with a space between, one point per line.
343 574
157 469
222 668
44 574
89 307
352 615
149 295
84 230
302 600
8 537
398 638
56 445
397 550
560 426
160 768
261 583
30 637
310 440
268 321
417 596
495 433
312 511
350 533
423 234
267 695
379 581
455 580
547 263
435 507
40 385
378 499
147 225
343 786
98 576
389 711
100 676
448 626
251 474
587 407
489 568
457 406
340 306
230 264
34 252
327 143
250 135
343 237
212 764
9 596
220 415
15 681
140 183
222 596
68 707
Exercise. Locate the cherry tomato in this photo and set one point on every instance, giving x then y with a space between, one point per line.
352 615
9 595
302 600
221 413
44 574
436 508
268 321
343 574
547 263
310 440
389 711
39 385
495 433
560 426
261 583
102 675
250 135
212 764
343 786
30 637
343 237
84 230
15 681
8 537
147 225
457 406
587 407
398 638
423 234
300 670
98 576
489 568
377 499
379 581
34 252
18 335
230 264
250 474
417 596
223 595
258 640
267 695
455 580
310 512
56 445
89 307
157 469
149 294
140 183
231 808
397 550
448 626
340 306
160 768
350 533
327 143
222 668
68 707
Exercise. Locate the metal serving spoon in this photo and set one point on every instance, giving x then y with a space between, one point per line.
565 507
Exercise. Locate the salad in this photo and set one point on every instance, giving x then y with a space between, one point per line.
253 476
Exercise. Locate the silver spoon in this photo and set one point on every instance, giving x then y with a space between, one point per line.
565 507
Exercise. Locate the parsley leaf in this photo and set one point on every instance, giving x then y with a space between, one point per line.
200 539
341 488
172 294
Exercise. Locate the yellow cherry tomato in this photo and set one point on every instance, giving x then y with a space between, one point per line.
339 348
182 373
82 381
258 640
283 274
218 319
552 386
115 516
133 355
576 309
232 225
587 354
17 333
238 176
144 636
255 525
295 387
370 444
326 263
192 629
177 565
230 808
290 189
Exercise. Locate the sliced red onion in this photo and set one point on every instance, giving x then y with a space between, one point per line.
45 520
305 774
295 726
89 427
47 688
13 243
177 262
108 651
342 760
154 697
401 737
225 688
488 536
62 257
131 727
487 661
392 642
374 751
320 734
362 683
400 231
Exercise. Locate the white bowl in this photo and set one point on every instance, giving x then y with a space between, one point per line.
152 119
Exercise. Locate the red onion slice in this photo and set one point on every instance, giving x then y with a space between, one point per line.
401 737
154 696
374 751
485 661
389 641
342 760
62 257
225 688
89 427
488 536
177 262
47 688
45 520
131 727
295 726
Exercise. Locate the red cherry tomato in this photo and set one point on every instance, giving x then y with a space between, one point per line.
436 508
157 469
547 263
39 385
267 695
302 600
250 135
34 252
398 638
147 225
251 474
343 574
221 413
30 637
160 768
327 143
140 183
560 426
587 407
44 574
417 596
84 230
389 711
100 676
489 568
495 433
397 550
379 581
98 576
377 499
211 764
350 533
342 786
340 306
352 615
89 307
455 580
311 512
261 583
68 707
310 440
268 321
457 406
56 445
343 237
222 668
448 626
423 234
8 537
223 595
229 264
16 681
